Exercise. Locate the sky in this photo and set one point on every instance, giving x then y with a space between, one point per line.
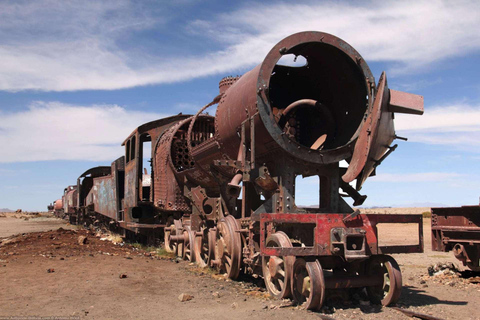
76 77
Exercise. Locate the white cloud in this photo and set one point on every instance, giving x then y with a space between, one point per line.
57 131
59 45
457 126
417 177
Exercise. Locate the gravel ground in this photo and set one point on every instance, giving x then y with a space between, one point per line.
51 274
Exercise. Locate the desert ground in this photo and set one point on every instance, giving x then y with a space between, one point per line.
45 271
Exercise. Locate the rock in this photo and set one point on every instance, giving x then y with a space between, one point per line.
82 240
216 294
51 270
122 275
185 297
234 305
18 211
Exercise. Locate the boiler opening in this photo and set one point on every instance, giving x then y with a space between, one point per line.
320 102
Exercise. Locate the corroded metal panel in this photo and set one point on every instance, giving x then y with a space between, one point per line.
105 196
131 185
167 193
451 225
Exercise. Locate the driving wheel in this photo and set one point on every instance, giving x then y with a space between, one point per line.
277 270
308 284
390 289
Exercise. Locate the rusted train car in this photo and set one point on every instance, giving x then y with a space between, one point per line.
457 229
58 208
220 189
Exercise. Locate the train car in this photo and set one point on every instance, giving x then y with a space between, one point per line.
84 186
69 201
58 208
457 229
221 189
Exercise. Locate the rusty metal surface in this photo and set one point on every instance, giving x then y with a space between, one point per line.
414 314
454 225
105 196
131 185
372 139
273 124
167 192
326 54
58 204
85 182
324 223
69 199
134 225
226 83
378 131
403 102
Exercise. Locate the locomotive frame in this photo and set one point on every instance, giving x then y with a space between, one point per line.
221 190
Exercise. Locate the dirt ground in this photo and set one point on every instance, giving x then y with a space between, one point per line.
49 273
14 223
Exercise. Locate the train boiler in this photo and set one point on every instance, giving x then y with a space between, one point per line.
277 122
221 190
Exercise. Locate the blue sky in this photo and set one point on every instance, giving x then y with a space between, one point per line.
76 77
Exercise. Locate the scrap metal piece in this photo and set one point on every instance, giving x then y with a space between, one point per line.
416 314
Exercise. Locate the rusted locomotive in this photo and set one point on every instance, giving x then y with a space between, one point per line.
457 229
221 189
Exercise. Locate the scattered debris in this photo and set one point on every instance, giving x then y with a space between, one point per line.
442 268
185 297
448 273
416 314
9 241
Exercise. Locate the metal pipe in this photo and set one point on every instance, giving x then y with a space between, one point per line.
290 107
239 175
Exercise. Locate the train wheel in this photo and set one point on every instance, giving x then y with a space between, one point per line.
202 252
170 246
308 284
474 255
277 270
389 291
212 244
179 246
189 245
228 248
